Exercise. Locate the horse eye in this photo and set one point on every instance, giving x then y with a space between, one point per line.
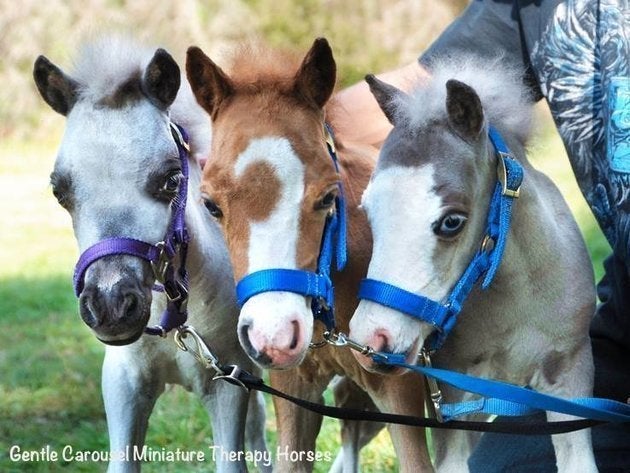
62 190
450 225
213 208
171 184
327 201
61 197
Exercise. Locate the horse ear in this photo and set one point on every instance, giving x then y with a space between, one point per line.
209 83
465 113
315 80
56 88
385 95
161 79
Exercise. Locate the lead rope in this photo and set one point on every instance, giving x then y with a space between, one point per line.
236 376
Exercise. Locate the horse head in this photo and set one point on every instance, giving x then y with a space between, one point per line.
116 173
270 182
427 204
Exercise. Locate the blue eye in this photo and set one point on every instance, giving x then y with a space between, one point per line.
450 225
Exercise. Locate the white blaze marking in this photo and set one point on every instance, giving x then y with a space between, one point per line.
108 279
401 206
273 241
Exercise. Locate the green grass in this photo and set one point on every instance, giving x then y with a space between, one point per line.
50 362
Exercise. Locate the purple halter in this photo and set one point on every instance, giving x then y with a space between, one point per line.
161 255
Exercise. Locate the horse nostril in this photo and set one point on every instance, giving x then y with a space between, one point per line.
381 341
244 337
296 335
130 305
89 311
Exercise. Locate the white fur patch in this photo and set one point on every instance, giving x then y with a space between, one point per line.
273 242
401 207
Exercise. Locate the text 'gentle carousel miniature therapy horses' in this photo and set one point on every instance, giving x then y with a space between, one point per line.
271 183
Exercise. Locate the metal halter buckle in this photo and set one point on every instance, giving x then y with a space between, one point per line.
161 265
502 177
487 244
177 136
177 293
433 391
329 140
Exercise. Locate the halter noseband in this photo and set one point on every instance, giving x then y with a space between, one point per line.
443 315
160 255
317 285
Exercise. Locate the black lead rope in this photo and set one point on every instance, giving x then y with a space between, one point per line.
236 376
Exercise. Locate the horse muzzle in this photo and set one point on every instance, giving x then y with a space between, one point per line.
116 301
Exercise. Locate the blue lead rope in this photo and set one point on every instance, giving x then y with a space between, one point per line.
509 400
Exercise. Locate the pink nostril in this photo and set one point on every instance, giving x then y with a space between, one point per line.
282 346
380 340
296 335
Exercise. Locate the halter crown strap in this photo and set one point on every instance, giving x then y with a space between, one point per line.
443 315
317 285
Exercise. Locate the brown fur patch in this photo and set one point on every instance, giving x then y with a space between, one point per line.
259 189
127 93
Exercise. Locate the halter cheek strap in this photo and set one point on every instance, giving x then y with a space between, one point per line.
443 314
161 255
317 285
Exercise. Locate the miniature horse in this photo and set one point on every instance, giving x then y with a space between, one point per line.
270 182
427 203
116 173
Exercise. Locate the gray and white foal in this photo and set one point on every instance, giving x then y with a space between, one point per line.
116 173
427 204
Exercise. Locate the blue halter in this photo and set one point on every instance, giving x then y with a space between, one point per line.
317 285
443 315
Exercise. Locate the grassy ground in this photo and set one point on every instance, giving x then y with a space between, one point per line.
50 362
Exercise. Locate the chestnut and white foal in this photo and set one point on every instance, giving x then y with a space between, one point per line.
271 183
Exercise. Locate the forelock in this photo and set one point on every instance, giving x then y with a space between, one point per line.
106 64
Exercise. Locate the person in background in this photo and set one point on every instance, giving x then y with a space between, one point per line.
576 55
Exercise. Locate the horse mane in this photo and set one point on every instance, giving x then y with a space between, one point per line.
499 85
